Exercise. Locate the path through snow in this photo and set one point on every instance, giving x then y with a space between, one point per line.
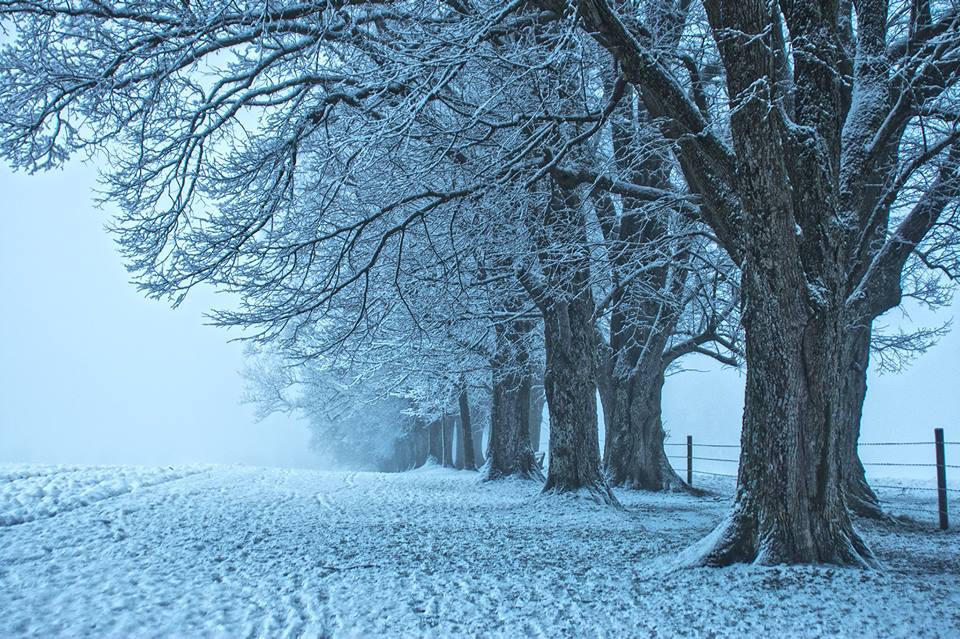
253 552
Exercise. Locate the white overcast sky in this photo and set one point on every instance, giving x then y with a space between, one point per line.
91 372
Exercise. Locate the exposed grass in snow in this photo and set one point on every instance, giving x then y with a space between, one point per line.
251 552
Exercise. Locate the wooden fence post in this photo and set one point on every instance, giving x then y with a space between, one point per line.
690 460
941 478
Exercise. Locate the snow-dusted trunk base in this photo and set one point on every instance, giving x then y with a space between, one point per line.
570 388
569 382
856 357
634 456
508 451
790 505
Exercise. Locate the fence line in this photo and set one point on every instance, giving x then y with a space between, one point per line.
939 448
703 472
709 445
910 465
906 443
915 488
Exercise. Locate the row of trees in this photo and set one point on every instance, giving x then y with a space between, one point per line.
426 208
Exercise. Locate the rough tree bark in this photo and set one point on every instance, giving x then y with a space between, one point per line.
446 434
508 451
466 433
633 454
570 390
645 305
861 499
435 434
630 373
420 438
478 457
567 306
538 400
790 504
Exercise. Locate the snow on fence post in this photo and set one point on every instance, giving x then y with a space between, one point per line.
941 478
690 460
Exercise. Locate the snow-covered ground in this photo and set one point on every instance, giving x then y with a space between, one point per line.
256 552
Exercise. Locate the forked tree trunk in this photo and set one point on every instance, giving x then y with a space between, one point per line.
645 306
508 451
790 505
634 455
466 433
569 381
856 358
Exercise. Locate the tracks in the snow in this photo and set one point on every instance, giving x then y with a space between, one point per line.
40 493
328 498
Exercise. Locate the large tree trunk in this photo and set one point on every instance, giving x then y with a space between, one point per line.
603 368
478 457
466 434
538 400
634 455
508 451
571 399
446 434
435 433
856 357
790 505
569 341
645 309
420 436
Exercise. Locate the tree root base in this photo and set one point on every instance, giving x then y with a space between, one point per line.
737 540
599 492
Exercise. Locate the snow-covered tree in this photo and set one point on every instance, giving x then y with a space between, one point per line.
287 151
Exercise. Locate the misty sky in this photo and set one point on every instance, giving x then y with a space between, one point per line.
94 373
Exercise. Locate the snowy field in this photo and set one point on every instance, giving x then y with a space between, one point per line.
256 552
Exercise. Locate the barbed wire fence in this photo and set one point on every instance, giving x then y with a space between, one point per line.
925 500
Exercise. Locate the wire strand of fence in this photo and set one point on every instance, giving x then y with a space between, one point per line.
909 465
921 488
703 472
906 443
707 445
940 466
716 459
